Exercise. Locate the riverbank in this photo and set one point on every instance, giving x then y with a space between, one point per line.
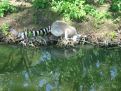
89 38
103 33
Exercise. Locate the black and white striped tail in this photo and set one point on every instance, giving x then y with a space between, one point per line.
33 33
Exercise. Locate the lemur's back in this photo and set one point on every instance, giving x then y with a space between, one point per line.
61 28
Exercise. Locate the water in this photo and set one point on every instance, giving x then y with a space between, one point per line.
84 68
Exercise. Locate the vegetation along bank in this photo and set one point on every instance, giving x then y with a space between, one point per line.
97 21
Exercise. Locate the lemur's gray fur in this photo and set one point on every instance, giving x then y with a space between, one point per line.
62 29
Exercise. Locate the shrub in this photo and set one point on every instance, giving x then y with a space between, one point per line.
116 5
5 7
73 9
95 13
41 4
4 29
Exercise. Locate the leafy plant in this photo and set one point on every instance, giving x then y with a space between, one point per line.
98 16
5 7
70 9
112 35
75 9
101 1
4 28
41 4
116 5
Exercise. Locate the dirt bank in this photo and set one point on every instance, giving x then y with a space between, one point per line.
104 33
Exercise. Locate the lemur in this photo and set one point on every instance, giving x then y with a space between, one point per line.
57 29
62 29
68 33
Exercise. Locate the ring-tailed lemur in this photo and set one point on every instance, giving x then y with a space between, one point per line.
34 36
66 32
58 29
33 33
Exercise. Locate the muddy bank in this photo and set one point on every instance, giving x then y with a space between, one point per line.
101 39
106 33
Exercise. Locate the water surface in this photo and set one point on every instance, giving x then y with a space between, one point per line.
84 68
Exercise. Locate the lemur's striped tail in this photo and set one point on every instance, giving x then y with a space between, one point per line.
33 33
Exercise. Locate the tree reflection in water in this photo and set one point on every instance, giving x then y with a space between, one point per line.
52 69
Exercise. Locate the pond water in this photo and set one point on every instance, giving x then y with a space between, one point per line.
84 68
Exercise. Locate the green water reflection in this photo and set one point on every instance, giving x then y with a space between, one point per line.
52 69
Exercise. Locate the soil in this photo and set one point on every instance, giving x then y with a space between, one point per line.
27 17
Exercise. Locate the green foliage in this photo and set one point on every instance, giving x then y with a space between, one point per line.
112 35
41 4
116 5
5 7
70 9
78 9
4 28
101 1
99 16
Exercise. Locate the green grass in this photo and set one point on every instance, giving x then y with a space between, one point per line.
5 8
